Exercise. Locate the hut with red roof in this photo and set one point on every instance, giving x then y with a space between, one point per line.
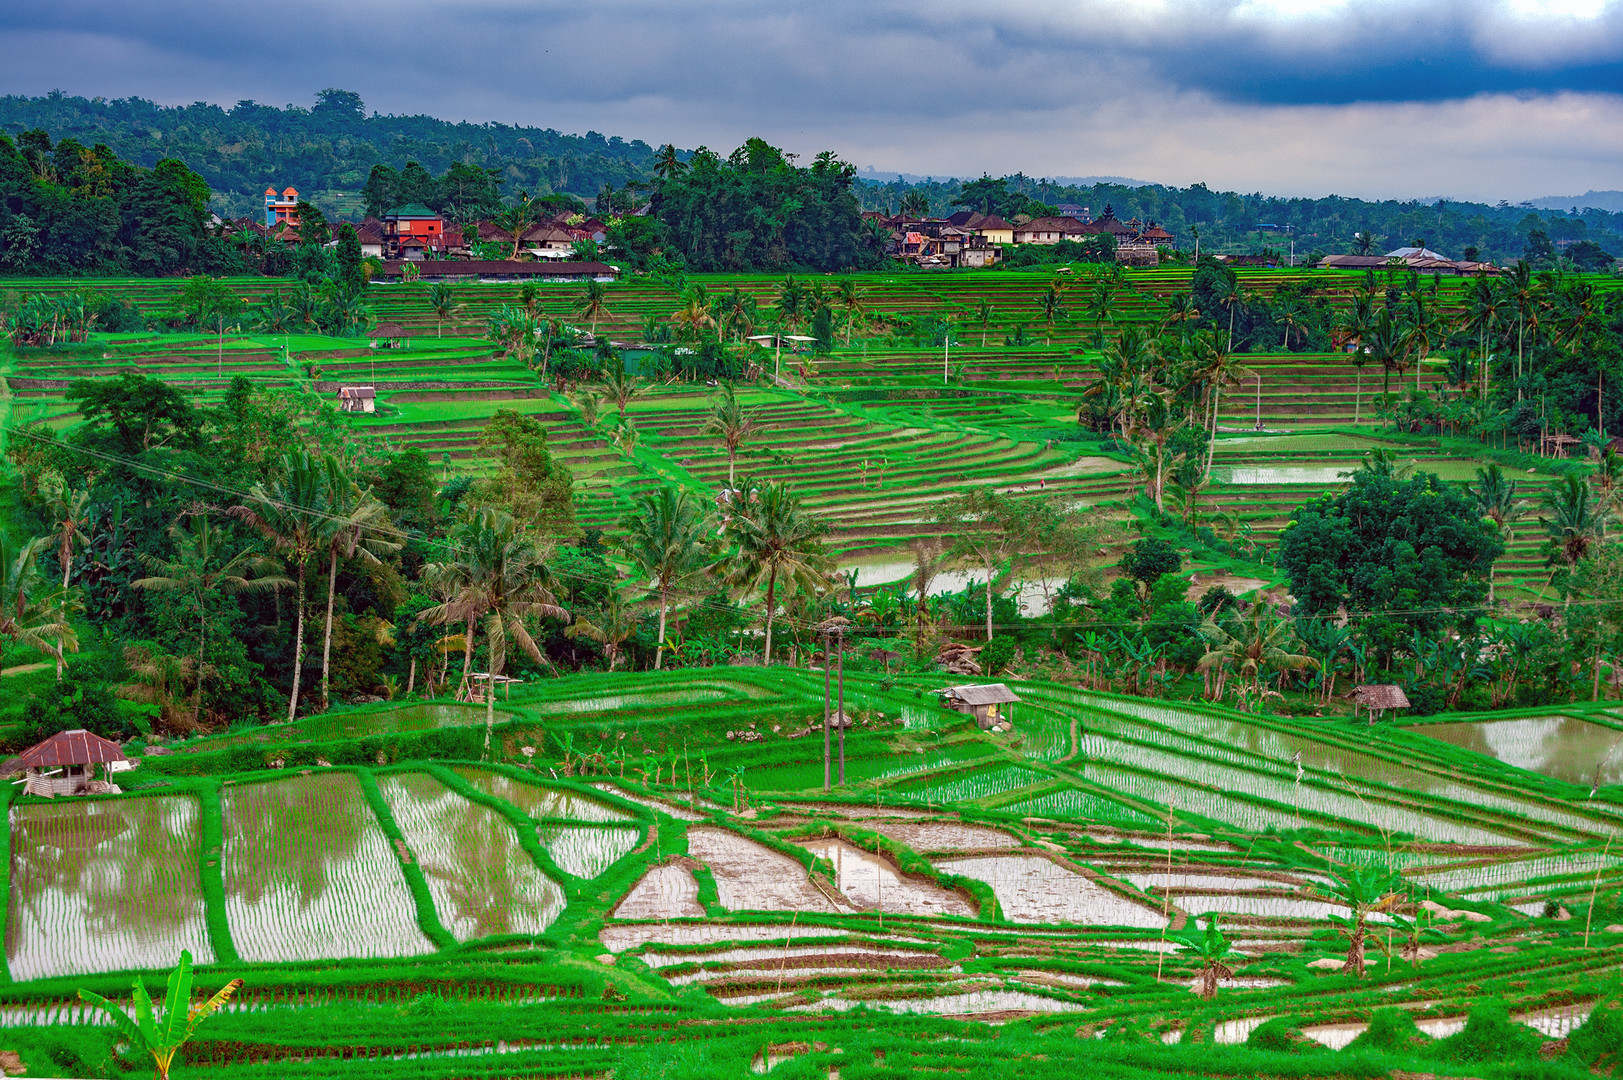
64 764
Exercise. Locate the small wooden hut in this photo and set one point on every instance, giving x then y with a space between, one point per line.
391 335
1376 698
64 764
987 703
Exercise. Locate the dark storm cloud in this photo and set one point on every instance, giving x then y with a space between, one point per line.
1174 89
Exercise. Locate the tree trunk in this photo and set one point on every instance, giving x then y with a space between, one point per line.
1355 949
326 640
988 602
771 600
659 651
411 677
490 693
1595 694
298 648
1211 445
1358 390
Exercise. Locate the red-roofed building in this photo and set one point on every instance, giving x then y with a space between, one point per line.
65 764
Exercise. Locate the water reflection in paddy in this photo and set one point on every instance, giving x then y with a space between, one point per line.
1560 747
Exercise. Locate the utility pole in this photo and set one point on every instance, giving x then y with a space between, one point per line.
841 714
825 712
946 354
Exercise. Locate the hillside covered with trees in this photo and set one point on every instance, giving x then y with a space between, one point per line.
331 146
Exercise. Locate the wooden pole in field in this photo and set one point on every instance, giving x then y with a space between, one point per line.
825 713
841 679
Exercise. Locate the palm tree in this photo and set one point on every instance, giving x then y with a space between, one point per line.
354 528
292 513
1231 296
1521 295
983 315
496 576
26 618
594 304
1364 242
1418 337
70 514
1496 499
1483 316
791 303
1254 646
1356 325
1289 315
1181 309
1214 368
1577 522
516 220
695 314
163 1038
1053 308
731 423
613 627
199 571
667 165
1388 346
620 387
853 300
669 538
443 299
1213 951
774 540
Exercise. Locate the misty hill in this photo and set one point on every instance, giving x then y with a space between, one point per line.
1598 200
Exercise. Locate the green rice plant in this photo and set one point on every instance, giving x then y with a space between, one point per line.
104 885
482 881
310 873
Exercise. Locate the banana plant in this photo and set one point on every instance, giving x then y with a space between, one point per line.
1212 949
1364 891
162 1037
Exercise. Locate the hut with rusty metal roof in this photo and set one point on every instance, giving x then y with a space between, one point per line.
64 764
987 703
1377 698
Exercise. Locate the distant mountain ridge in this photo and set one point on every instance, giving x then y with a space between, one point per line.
1594 200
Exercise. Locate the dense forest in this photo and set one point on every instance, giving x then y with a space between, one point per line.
1232 222
331 146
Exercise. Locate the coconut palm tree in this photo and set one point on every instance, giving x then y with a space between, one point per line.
291 513
1231 295
729 422
669 537
1388 346
667 165
1052 305
1496 499
791 307
1483 316
774 540
619 386
518 219
594 304
695 315
1523 297
1254 646
443 299
496 576
200 571
1577 522
1364 242
358 526
30 615
611 629
1356 324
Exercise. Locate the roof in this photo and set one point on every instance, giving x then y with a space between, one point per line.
77 747
357 393
411 210
392 329
1057 224
1380 696
499 268
1414 252
987 694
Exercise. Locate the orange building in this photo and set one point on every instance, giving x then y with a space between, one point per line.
410 230
281 209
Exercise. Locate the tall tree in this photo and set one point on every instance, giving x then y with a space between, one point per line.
594 304
991 529
291 512
496 576
200 571
446 304
30 615
731 423
774 541
669 537
1496 498
357 526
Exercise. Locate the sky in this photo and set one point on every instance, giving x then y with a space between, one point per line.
1468 99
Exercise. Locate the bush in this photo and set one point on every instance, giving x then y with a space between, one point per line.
1490 1035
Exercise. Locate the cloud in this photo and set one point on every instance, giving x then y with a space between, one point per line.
1461 96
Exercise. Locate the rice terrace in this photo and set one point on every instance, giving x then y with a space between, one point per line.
543 606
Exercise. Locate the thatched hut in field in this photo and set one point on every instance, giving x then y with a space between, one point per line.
1377 698
64 764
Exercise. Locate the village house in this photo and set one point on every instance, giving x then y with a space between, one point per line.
281 209
361 399
1051 230
988 703
492 270
413 232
